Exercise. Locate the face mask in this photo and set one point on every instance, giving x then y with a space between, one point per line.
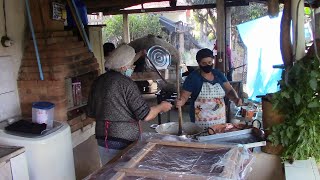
206 68
128 72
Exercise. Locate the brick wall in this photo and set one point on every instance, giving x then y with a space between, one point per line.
62 56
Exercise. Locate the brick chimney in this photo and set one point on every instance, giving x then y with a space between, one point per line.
63 59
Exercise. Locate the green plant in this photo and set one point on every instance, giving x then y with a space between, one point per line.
299 102
139 25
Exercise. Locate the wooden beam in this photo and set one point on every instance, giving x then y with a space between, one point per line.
178 8
110 7
126 31
114 3
309 3
237 3
228 38
119 9
317 24
221 38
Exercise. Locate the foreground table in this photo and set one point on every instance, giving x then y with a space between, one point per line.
264 167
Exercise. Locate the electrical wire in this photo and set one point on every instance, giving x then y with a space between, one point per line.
5 16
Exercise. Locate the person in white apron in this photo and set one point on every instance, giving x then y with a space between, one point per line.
207 88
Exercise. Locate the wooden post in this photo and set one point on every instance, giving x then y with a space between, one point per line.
298 28
221 36
228 35
126 32
181 42
181 38
95 37
228 26
317 23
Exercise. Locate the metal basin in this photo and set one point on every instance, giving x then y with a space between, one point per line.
188 128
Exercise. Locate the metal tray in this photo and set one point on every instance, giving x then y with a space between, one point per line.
250 138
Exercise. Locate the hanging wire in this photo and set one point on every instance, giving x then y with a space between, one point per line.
5 16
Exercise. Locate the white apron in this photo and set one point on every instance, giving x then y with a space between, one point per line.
209 106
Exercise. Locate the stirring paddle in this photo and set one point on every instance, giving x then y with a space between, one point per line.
178 96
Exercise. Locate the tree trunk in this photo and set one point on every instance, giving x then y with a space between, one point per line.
273 8
285 41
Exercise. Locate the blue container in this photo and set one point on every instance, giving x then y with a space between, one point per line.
43 112
82 9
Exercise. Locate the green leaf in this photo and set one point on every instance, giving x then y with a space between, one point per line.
297 98
275 142
314 74
274 128
289 133
270 138
299 122
310 131
275 105
282 135
285 94
313 104
307 11
313 83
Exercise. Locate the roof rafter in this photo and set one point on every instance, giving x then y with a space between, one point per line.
107 11
111 7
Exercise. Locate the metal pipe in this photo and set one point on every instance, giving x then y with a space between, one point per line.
34 40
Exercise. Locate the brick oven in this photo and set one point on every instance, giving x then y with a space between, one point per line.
64 59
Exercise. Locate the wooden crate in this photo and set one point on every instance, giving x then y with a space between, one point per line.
142 165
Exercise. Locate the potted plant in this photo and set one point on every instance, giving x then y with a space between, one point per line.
299 102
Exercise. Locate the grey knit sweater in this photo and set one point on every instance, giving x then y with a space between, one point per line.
116 98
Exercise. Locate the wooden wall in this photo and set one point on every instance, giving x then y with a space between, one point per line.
41 13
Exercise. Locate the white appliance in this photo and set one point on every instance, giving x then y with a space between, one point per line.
49 156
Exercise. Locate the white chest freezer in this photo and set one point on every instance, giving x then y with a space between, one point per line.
49 156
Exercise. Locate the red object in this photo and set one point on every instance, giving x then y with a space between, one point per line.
106 131
188 13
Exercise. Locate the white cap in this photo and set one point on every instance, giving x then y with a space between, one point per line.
120 57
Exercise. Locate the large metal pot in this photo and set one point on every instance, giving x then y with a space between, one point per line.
188 128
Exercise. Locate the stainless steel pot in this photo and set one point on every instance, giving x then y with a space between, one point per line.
189 129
